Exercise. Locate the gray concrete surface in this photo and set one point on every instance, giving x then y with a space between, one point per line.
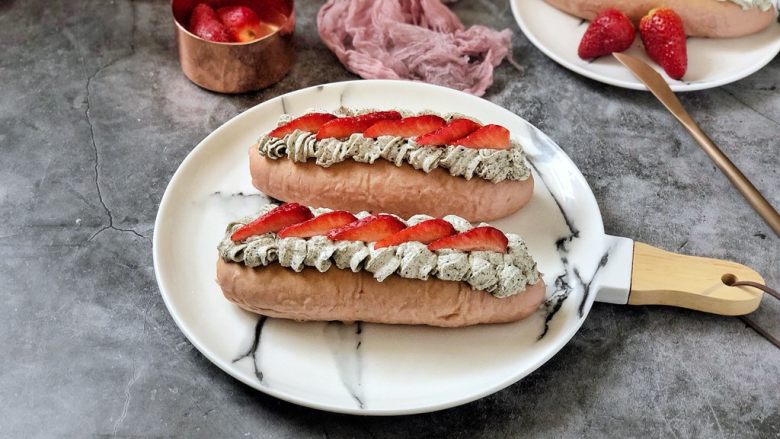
95 116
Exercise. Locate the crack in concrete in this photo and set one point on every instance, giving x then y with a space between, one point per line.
703 395
133 378
88 118
118 229
734 96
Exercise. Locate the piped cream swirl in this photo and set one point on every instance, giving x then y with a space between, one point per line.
501 274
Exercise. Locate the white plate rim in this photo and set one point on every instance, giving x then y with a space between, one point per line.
676 87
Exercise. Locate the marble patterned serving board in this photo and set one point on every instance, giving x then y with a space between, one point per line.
370 368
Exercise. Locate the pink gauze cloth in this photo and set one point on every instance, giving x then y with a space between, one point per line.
420 40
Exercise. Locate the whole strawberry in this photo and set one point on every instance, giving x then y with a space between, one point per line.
611 31
663 35
243 24
205 24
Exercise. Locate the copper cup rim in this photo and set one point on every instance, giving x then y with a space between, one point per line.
222 43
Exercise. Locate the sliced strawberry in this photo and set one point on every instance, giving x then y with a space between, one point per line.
310 122
456 129
406 127
319 225
489 137
273 221
479 238
424 232
344 126
369 229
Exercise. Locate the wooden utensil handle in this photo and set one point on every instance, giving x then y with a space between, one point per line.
659 277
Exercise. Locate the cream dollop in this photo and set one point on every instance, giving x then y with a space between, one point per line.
350 254
417 262
490 164
452 265
382 261
292 253
319 250
501 274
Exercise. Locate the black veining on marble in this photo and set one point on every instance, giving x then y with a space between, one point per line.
586 285
238 194
573 231
563 287
552 305
345 342
548 151
253 350
271 200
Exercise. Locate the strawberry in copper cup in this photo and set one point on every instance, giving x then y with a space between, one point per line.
238 47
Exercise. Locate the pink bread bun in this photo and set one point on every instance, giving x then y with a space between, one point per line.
342 295
384 187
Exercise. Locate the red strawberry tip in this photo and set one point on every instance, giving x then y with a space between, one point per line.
482 238
318 225
424 232
369 229
272 221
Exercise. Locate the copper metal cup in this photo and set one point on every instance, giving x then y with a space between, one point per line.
237 67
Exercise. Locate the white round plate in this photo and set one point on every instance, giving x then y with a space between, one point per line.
712 62
371 368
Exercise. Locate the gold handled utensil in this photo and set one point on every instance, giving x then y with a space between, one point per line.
660 89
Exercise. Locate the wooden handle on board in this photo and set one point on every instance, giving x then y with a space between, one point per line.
659 277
